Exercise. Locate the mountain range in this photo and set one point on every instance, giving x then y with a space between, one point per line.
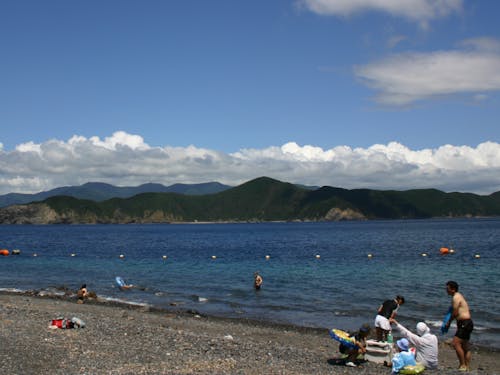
98 191
261 199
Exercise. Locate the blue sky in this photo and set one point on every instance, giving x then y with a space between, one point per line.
379 94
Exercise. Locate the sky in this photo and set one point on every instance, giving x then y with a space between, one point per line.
379 94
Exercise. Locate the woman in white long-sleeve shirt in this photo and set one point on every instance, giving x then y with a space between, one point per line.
424 341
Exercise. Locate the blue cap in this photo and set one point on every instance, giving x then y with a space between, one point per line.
403 344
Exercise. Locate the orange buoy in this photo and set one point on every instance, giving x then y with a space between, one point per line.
444 250
4 252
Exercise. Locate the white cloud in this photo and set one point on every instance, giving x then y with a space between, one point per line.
125 160
406 78
119 139
416 10
28 147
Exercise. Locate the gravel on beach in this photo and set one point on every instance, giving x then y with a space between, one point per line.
121 339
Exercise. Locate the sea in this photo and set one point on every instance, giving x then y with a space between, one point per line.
321 275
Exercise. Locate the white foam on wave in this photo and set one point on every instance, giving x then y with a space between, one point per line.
12 290
453 325
438 323
123 301
51 292
42 293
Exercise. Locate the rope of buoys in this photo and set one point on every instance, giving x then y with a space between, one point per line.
442 251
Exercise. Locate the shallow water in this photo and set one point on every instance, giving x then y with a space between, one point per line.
341 288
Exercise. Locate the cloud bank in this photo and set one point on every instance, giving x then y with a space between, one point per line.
472 69
420 11
126 160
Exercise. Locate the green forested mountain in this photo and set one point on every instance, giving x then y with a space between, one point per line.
262 199
98 191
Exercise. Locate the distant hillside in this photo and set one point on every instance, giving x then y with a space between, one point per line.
98 191
262 199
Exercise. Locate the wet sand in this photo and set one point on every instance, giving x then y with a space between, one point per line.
121 339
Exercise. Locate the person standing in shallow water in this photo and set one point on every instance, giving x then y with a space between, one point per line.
461 314
257 281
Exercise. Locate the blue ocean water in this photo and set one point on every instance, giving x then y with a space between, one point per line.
317 274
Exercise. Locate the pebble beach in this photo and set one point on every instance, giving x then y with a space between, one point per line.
124 339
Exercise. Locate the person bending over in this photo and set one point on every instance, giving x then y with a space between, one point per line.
360 341
385 312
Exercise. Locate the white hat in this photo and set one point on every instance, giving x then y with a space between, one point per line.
422 329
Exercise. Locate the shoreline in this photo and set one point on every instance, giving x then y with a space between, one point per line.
64 293
121 338
250 221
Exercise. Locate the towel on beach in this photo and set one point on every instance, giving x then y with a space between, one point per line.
65 323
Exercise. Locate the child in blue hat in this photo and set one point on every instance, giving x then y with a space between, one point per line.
404 357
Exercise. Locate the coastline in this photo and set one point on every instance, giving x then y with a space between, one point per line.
127 339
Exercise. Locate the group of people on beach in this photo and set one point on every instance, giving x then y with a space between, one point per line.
425 343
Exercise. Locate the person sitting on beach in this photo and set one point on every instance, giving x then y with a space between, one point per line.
385 312
82 293
360 341
403 358
257 280
424 341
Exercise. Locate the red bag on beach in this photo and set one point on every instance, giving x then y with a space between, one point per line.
62 323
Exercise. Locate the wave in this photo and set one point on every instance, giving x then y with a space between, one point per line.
12 290
122 301
61 292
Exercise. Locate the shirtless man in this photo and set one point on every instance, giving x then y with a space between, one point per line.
257 283
464 325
